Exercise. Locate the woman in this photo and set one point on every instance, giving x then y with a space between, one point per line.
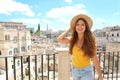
82 47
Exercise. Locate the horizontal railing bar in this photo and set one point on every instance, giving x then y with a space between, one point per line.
27 55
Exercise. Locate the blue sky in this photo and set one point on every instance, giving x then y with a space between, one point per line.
58 13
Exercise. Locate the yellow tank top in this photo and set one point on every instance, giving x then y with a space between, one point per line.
79 59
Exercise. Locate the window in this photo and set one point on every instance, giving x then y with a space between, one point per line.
10 52
23 49
5 37
15 50
28 47
0 53
112 34
104 48
117 34
12 66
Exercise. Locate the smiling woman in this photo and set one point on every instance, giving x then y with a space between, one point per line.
82 47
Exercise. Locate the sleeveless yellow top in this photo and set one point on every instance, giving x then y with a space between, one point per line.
79 59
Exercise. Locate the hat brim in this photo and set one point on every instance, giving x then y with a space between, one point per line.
87 18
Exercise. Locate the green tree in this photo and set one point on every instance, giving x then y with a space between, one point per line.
39 27
38 30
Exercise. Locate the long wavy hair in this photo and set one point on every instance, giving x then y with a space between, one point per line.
89 40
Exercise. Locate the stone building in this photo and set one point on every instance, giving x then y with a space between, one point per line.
108 40
15 40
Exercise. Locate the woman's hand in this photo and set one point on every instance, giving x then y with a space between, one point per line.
62 37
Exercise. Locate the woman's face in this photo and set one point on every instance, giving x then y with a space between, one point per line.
80 26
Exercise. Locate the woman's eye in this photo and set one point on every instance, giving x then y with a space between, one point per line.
82 25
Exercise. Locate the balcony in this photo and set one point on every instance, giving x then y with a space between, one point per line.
54 66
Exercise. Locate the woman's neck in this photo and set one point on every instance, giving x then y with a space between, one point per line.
80 37
80 41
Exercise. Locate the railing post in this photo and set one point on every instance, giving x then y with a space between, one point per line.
63 64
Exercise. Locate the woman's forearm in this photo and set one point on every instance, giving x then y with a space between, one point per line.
97 67
63 35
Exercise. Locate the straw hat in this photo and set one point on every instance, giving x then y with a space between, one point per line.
87 18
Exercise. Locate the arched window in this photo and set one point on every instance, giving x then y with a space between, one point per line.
15 50
23 49
10 52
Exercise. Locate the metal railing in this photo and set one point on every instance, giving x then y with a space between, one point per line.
45 66
31 67
110 65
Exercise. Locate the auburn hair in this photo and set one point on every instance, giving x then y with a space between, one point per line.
89 40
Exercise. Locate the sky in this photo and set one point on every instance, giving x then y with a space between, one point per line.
57 14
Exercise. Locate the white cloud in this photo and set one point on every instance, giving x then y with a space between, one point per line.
63 15
69 1
66 11
9 6
64 20
27 21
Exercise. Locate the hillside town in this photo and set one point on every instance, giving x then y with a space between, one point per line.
19 40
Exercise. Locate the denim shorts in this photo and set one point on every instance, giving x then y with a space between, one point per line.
83 73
